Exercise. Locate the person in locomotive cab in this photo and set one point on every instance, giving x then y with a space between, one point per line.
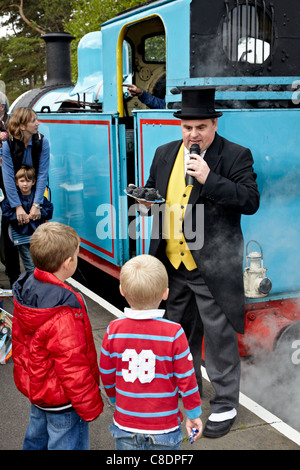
24 146
203 250
152 101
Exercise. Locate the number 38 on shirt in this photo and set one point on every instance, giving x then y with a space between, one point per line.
140 366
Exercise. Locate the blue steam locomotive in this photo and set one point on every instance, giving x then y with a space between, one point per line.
101 139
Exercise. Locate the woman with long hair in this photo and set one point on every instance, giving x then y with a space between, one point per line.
25 146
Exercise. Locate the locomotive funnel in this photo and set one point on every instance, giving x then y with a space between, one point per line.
58 53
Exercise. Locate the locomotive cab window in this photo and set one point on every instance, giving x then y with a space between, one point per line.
247 33
155 49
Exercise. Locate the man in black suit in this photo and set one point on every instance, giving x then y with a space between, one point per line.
201 244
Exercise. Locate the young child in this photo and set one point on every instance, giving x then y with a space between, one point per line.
21 233
55 360
145 361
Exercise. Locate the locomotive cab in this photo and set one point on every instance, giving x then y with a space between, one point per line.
146 61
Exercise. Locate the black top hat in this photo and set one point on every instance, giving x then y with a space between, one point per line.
198 103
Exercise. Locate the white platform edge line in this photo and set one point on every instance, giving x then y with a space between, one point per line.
245 401
265 415
99 300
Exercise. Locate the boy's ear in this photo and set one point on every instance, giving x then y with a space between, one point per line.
33 182
165 294
121 291
66 263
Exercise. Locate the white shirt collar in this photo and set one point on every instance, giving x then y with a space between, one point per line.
187 152
143 314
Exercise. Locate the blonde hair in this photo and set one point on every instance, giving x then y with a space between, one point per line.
27 172
18 117
143 280
51 244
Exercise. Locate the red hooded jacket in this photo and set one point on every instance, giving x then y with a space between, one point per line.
55 360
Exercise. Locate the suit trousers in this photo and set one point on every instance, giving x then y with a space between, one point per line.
191 304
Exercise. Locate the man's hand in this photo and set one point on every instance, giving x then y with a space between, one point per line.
145 203
133 90
199 167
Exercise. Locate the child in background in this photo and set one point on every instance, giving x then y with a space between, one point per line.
145 361
20 233
54 355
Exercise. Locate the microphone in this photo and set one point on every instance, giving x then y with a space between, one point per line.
194 149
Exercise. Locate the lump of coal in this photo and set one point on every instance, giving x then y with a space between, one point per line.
130 188
152 194
139 192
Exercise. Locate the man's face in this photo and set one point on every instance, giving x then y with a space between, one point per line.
198 131
2 109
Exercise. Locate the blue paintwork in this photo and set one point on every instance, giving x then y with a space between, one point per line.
90 67
85 179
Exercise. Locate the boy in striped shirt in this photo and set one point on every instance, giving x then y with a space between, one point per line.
145 362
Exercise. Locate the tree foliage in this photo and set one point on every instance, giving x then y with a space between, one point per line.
89 15
22 53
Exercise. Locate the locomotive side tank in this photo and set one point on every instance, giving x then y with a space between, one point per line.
101 140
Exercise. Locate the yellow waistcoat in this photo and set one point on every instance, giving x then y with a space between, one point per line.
177 198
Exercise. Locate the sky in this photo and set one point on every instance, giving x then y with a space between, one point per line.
3 30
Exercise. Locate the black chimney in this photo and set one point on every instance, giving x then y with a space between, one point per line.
58 54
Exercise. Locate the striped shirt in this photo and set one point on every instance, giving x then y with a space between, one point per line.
18 238
145 361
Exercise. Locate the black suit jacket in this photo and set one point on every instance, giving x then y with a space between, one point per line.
229 191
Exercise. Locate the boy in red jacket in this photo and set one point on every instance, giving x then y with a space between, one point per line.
145 362
55 361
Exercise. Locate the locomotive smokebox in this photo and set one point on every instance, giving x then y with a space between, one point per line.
58 53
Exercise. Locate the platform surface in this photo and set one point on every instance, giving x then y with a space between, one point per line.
249 432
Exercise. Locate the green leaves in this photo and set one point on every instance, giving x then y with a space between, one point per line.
22 53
